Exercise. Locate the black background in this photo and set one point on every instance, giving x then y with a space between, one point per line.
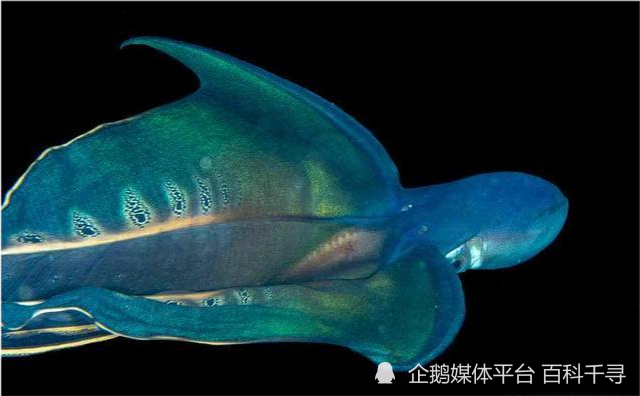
450 89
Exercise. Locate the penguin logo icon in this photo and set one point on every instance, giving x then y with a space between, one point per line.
385 373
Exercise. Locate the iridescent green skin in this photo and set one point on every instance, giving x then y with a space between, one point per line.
251 211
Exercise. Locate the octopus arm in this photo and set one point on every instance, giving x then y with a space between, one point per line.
419 297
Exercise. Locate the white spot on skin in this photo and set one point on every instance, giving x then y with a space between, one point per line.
206 163
205 196
136 209
176 198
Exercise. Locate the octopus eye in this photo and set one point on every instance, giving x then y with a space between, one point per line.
469 255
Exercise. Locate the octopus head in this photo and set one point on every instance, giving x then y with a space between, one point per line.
488 221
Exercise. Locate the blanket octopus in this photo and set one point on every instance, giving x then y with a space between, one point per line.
252 210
